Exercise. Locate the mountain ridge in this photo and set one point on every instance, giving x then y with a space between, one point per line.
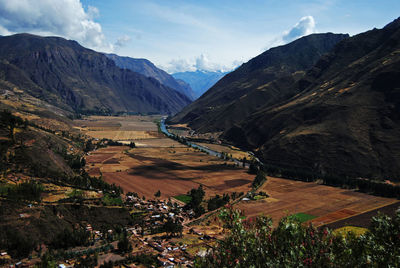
212 111
345 119
148 69
78 79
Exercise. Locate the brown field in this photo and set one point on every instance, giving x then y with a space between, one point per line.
328 204
161 142
174 170
119 128
159 163
122 135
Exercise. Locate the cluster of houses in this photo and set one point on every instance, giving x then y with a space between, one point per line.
158 212
147 235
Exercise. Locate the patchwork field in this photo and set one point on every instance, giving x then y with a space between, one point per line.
327 204
159 163
120 128
174 170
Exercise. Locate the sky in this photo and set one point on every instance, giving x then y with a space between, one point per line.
189 35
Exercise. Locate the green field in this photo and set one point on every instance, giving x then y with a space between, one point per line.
184 198
302 217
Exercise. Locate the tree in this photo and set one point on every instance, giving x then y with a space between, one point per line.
244 161
259 179
255 243
11 122
197 196
217 202
158 193
173 227
124 245
253 168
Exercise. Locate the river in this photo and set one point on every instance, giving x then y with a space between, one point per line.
205 149
194 145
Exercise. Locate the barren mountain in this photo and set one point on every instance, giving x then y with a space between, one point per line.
344 120
74 78
253 84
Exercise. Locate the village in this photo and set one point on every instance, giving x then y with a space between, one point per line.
160 229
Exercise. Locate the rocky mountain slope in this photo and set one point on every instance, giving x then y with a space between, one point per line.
253 84
69 76
148 69
344 120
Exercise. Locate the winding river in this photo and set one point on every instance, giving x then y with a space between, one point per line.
205 149
194 145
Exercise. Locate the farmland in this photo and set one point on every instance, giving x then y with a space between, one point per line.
159 163
326 204
119 128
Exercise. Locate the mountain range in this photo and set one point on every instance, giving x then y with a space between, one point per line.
244 90
148 69
200 80
337 116
76 79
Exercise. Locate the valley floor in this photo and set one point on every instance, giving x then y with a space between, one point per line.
159 163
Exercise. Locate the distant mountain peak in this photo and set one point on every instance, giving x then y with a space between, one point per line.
148 69
200 80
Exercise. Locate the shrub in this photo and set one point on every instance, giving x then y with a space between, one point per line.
254 243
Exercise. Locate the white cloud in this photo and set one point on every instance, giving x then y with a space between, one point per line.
179 65
200 63
4 31
122 41
66 18
305 26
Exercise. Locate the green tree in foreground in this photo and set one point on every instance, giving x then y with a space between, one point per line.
254 243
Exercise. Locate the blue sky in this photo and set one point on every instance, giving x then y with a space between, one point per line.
188 35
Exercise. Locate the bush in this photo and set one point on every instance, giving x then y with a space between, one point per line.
112 200
254 243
